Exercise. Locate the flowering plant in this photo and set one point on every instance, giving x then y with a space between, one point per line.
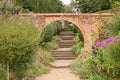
98 61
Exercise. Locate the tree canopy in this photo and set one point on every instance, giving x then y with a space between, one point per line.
42 6
90 6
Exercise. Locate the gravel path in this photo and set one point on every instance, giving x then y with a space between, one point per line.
58 74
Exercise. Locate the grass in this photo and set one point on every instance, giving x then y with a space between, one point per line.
39 69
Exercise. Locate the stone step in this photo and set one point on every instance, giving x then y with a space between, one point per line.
72 55
67 37
64 58
65 45
72 34
61 52
67 42
65 33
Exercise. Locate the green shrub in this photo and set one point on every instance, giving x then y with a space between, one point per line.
114 52
59 27
2 71
51 44
51 30
38 69
77 48
19 40
48 33
79 68
47 55
8 8
74 28
71 28
80 35
113 26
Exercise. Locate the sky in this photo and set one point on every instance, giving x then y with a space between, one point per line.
66 1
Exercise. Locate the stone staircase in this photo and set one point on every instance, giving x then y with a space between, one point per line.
65 53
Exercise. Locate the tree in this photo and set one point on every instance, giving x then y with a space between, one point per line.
18 39
42 6
90 6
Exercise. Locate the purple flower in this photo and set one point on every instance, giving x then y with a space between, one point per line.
95 51
100 44
94 55
111 40
97 44
103 44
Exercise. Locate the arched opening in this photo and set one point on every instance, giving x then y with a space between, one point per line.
64 40
74 22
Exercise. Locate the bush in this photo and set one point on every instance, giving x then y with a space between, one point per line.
38 68
51 30
114 52
113 26
51 44
2 71
77 48
48 33
80 35
102 63
59 26
47 55
8 8
74 28
19 40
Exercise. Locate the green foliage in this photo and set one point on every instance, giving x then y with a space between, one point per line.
115 4
114 52
15 40
47 55
51 30
97 66
80 35
113 26
6 7
42 6
2 71
79 39
59 26
19 42
75 29
77 48
46 47
48 33
51 44
39 69
90 6
78 67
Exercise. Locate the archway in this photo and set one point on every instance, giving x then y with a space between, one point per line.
65 44
85 22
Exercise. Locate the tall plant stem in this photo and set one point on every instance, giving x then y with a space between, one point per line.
7 77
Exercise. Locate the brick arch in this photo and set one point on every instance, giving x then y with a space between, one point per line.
87 23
